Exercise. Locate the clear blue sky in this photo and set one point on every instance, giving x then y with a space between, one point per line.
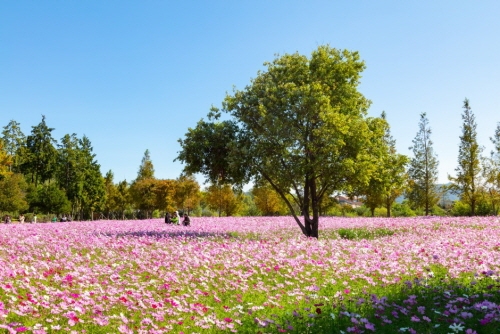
134 75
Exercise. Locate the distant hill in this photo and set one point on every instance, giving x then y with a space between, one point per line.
447 196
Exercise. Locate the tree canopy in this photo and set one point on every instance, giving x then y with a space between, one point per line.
302 126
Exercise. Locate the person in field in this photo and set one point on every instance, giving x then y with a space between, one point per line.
176 219
186 221
168 218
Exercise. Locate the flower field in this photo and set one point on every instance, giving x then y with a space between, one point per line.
252 275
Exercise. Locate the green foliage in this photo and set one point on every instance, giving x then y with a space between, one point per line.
300 125
249 206
12 193
460 208
364 233
13 139
39 157
468 171
423 170
491 173
403 210
49 199
208 149
146 169
389 179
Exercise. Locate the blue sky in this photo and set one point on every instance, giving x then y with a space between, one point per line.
134 75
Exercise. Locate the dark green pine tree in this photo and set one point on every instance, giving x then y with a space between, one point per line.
468 171
68 174
40 156
423 170
94 190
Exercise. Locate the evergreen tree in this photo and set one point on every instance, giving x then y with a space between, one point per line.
394 171
93 190
468 171
123 198
491 173
423 169
69 173
111 194
142 190
14 139
146 169
40 157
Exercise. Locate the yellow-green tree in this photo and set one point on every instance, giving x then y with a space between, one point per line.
223 200
5 161
165 191
187 193
267 200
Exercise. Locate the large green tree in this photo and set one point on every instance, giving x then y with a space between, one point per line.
423 170
40 156
49 198
93 195
207 149
302 126
70 167
468 172
78 174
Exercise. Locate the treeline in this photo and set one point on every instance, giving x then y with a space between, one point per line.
40 175
207 149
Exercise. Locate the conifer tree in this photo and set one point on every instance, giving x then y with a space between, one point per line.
13 139
40 156
146 169
468 171
491 173
423 169
142 189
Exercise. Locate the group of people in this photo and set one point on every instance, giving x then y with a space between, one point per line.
8 219
176 219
